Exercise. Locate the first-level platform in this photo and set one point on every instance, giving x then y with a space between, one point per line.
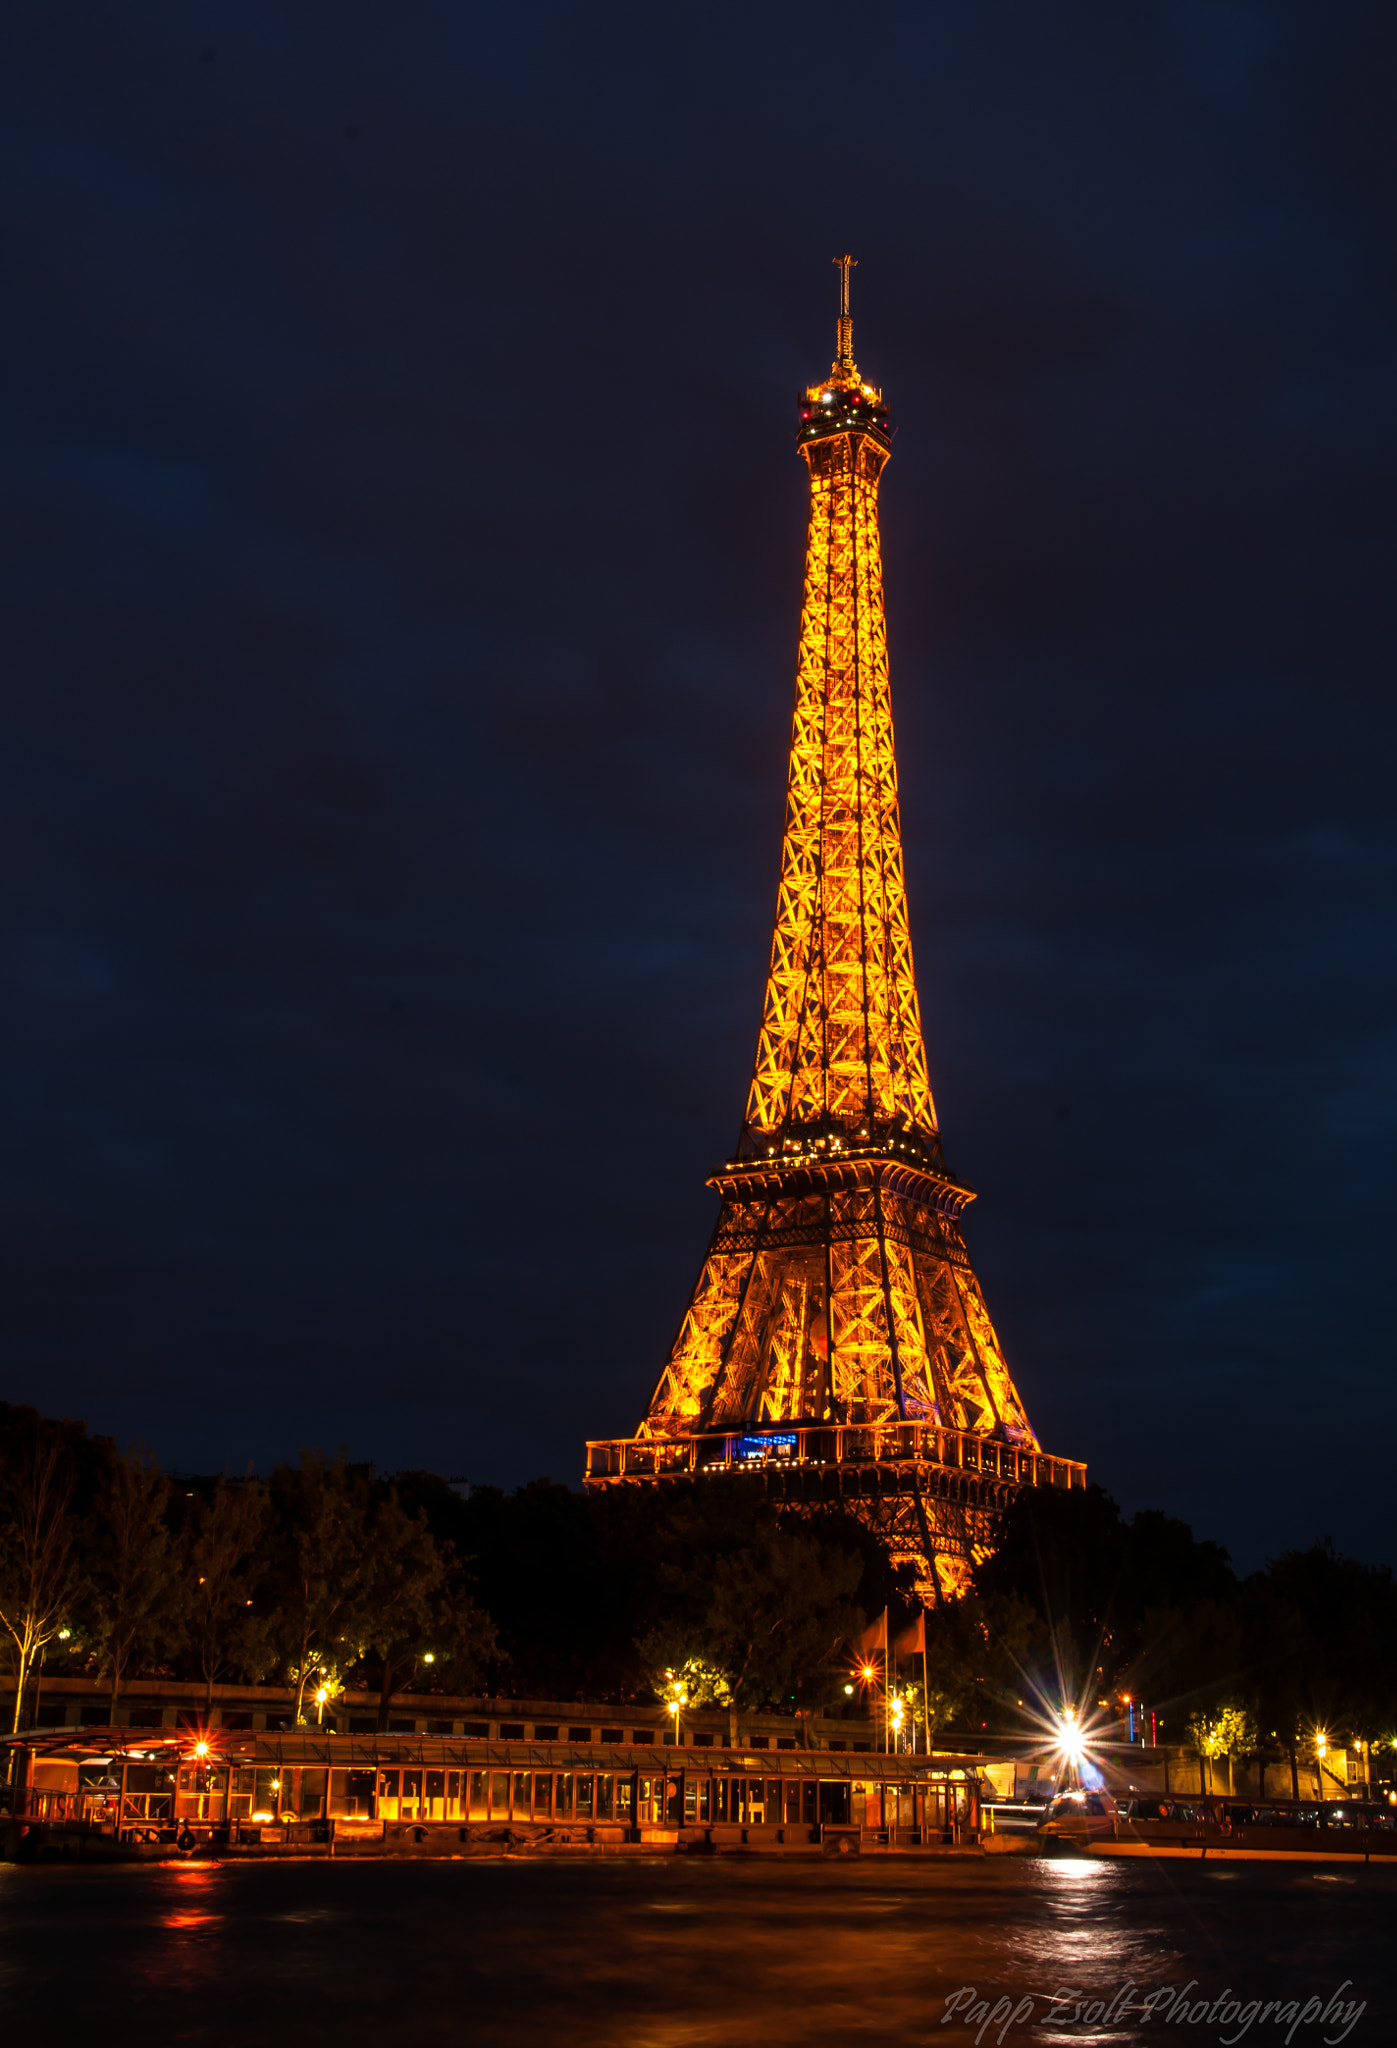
933 1496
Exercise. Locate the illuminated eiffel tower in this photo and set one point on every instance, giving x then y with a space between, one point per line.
837 1346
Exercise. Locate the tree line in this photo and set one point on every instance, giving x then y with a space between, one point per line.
1080 1607
326 1574
319 1576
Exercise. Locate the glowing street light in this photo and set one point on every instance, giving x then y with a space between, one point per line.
1071 1740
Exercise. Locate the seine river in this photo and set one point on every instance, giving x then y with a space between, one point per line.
673 1954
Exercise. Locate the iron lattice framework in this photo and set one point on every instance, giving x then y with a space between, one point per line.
837 1339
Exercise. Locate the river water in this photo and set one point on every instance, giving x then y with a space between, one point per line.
675 1953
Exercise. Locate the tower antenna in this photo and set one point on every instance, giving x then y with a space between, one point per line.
844 355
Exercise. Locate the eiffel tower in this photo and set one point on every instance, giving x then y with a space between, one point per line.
837 1347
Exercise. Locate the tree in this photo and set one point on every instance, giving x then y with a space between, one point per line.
983 1657
38 1475
1135 1605
1229 1732
1325 1641
323 1512
539 1555
136 1590
226 1561
417 1603
760 1602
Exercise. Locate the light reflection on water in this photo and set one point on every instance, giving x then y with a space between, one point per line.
663 1954
192 1957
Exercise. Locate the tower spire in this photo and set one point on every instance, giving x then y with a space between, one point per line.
837 1332
843 366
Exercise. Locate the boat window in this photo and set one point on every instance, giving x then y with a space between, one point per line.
834 1804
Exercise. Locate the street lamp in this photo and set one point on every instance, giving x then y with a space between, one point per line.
1071 1739
676 1699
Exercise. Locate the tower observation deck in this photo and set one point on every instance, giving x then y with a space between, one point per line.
836 1346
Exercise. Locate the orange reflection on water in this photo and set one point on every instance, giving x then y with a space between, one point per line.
188 1953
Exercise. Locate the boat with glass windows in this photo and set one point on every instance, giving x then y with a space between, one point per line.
1097 1822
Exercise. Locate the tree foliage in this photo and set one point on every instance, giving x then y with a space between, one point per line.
698 1591
227 1561
136 1597
38 1556
420 1611
318 1586
762 1603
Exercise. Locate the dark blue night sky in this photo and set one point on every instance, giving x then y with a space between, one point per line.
402 548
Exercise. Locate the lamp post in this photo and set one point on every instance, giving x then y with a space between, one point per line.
675 1700
895 1715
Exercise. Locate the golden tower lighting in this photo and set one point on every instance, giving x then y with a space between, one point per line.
837 1346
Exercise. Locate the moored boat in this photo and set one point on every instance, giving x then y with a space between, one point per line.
1099 1823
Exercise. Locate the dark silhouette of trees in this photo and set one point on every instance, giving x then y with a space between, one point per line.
38 1555
135 1594
332 1574
418 1606
594 1595
226 1562
1077 1603
759 1604
322 1565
